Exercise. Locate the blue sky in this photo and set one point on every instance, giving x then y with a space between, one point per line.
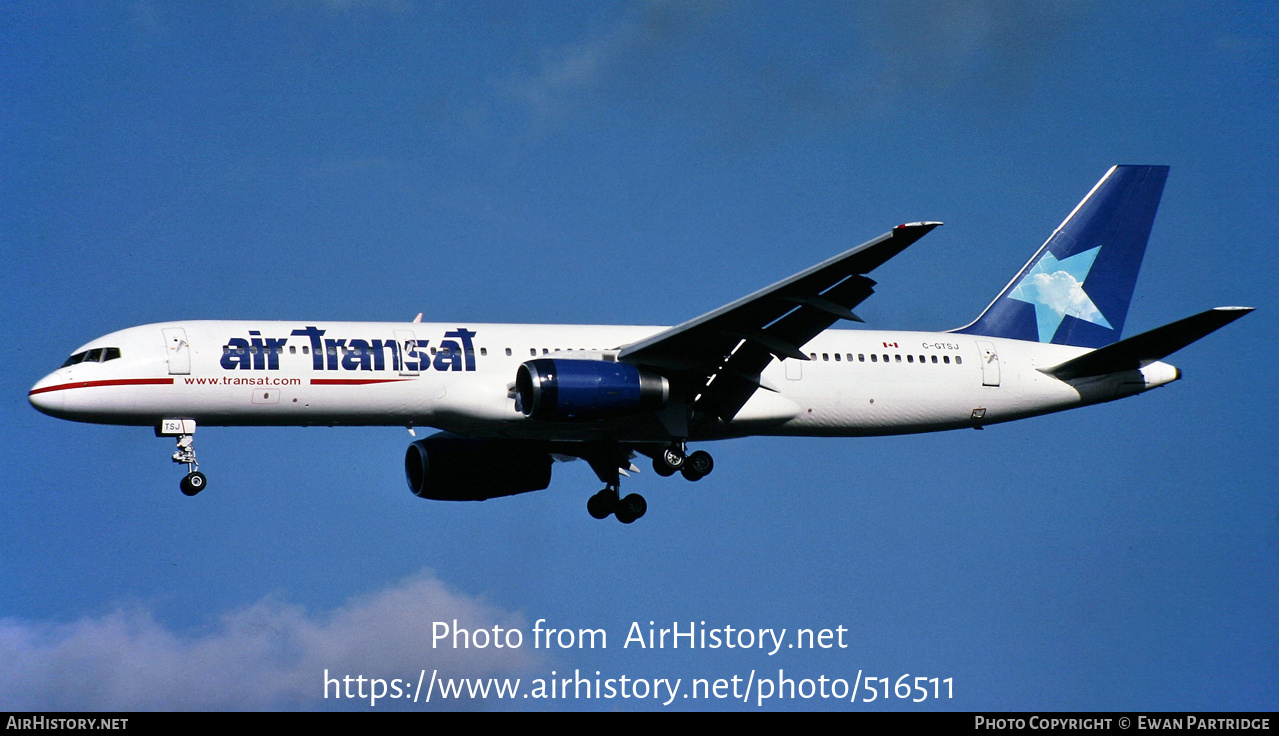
627 163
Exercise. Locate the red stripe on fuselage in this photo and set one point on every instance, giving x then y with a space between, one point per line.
93 384
354 381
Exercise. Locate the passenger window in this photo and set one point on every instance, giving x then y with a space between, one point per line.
293 350
874 358
945 359
826 357
861 357
899 358
909 359
836 357
958 360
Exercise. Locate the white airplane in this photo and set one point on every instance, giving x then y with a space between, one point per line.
510 399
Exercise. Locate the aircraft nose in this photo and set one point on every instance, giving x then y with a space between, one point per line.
46 397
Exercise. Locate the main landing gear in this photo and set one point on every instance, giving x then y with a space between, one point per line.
626 508
608 465
694 466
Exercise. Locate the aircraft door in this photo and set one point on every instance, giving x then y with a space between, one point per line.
177 350
989 363
408 343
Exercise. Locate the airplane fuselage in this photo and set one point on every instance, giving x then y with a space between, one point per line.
459 377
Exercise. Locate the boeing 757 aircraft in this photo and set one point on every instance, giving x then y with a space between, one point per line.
508 400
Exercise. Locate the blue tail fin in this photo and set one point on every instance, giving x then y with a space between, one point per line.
1076 289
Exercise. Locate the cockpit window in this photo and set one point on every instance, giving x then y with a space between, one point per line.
96 355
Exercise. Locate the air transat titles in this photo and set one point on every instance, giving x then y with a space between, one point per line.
456 352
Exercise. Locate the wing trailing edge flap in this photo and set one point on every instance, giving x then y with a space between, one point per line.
725 350
1139 350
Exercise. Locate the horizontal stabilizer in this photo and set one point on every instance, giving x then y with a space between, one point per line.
1134 352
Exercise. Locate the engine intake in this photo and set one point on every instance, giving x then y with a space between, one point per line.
551 388
445 467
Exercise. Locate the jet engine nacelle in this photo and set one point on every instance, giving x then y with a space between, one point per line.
551 388
445 467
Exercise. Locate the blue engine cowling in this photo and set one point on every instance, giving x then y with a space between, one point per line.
445 467
551 388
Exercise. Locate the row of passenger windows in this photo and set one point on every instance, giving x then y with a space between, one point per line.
897 358
111 353
344 349
96 355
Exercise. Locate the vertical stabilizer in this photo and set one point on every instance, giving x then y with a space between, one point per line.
1077 287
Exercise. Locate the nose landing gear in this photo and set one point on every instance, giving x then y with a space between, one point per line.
195 481
184 430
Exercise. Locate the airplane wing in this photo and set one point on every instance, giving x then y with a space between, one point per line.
724 351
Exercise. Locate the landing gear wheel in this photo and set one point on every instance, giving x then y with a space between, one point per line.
669 461
630 508
602 504
193 483
701 463
661 468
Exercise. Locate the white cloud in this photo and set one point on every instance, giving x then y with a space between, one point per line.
827 64
1065 295
269 654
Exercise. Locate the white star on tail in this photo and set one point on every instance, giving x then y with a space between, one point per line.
1056 289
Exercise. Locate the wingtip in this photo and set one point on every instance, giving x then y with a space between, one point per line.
926 223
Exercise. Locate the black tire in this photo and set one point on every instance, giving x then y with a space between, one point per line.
701 462
689 473
661 468
193 483
630 508
600 505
